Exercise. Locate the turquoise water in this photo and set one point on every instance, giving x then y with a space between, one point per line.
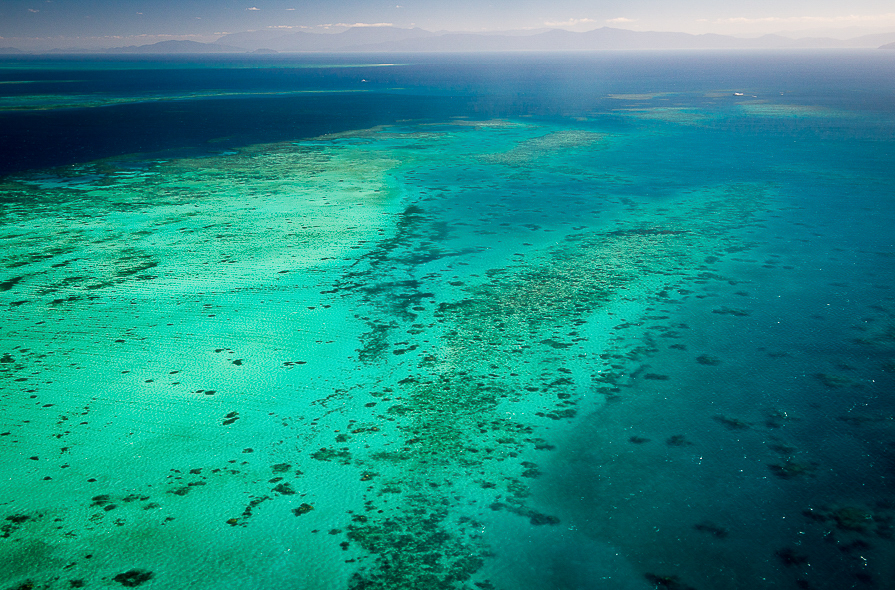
612 321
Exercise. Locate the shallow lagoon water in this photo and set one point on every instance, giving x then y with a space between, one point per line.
634 330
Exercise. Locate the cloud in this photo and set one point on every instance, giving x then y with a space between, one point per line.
364 25
850 18
253 8
620 20
569 23
32 10
350 25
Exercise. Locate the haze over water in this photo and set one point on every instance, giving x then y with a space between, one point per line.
611 320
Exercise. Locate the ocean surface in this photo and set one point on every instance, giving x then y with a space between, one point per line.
618 321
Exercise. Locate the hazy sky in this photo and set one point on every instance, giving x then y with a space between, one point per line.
117 22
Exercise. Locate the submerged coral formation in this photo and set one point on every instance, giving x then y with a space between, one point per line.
405 356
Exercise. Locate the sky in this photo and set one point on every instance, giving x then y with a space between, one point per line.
111 23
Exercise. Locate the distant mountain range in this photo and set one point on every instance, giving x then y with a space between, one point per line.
419 40
178 47
392 39
171 47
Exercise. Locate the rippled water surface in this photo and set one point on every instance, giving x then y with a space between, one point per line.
619 321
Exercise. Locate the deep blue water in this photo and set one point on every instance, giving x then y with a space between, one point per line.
430 86
630 317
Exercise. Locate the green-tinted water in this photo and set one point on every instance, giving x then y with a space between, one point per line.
494 354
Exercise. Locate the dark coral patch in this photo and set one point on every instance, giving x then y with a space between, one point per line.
134 577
